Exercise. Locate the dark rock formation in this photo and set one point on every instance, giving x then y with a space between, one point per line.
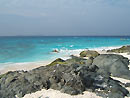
76 60
123 49
117 65
89 53
55 50
70 76
127 85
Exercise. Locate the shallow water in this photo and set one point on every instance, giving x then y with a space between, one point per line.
30 49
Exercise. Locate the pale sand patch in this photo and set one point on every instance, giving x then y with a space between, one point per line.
121 80
23 66
57 94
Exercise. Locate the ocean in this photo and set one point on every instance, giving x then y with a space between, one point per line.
19 49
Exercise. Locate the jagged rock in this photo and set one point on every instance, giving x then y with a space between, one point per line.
117 91
117 65
123 49
89 53
76 60
72 79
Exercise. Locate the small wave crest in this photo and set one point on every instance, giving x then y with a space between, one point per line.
105 48
66 50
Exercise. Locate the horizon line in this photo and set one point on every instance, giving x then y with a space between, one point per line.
64 35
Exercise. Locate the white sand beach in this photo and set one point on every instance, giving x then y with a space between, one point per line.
23 66
57 94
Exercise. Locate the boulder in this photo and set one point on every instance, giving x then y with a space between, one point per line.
89 53
117 65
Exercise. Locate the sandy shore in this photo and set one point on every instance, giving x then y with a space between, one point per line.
57 94
53 93
23 66
31 65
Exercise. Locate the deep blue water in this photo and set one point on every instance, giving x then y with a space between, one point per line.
30 49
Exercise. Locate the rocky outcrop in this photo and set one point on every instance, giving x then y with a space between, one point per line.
55 50
89 53
123 49
117 65
72 76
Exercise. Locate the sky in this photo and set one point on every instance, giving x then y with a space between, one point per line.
64 17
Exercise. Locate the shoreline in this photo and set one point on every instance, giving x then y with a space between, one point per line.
50 93
26 66
23 66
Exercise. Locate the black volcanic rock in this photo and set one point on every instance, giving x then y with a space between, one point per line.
71 78
117 65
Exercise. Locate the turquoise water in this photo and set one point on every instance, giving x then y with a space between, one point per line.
30 49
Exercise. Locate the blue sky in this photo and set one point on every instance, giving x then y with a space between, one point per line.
64 17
